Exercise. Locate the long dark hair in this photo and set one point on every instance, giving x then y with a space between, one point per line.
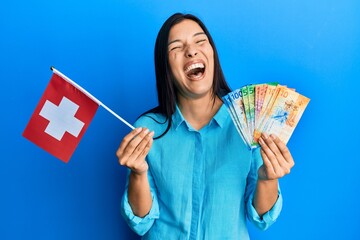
166 90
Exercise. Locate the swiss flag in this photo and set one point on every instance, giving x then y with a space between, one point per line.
60 119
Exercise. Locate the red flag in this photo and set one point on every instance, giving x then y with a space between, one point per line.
61 118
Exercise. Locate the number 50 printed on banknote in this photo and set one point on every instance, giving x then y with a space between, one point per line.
265 108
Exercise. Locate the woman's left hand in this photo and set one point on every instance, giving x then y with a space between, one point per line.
276 157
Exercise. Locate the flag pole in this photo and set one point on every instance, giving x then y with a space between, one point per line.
90 96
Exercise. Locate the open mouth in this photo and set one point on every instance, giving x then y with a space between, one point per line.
195 71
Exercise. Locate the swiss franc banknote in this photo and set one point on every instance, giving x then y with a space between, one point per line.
265 108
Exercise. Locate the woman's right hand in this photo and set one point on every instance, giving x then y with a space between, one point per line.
133 149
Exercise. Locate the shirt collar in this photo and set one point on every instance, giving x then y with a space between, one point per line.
178 118
219 118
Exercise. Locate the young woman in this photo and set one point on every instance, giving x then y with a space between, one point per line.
190 174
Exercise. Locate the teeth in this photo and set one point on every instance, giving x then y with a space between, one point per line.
193 66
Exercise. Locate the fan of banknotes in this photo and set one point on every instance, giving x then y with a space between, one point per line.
265 108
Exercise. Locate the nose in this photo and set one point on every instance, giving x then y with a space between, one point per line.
191 51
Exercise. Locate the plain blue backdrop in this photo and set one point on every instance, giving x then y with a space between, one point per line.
107 47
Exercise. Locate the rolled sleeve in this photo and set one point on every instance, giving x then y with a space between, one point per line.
138 224
269 217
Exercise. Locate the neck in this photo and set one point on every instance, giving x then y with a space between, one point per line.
199 112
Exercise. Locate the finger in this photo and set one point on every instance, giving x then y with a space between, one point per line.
139 164
125 153
147 148
133 142
269 140
270 150
283 150
269 169
126 140
269 147
283 155
279 149
138 151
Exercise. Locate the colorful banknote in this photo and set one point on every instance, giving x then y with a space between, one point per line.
239 109
260 91
265 108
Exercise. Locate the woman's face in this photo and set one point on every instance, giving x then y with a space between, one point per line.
191 59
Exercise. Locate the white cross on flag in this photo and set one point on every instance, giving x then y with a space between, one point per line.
61 118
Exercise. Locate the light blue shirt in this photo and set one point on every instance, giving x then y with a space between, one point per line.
202 182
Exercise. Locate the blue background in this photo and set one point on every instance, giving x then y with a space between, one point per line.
107 47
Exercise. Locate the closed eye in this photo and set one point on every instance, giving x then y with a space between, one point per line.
174 48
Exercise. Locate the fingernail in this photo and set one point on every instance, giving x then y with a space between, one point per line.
151 134
146 131
261 141
265 136
138 129
273 137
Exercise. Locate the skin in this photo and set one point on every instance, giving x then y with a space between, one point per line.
131 153
188 44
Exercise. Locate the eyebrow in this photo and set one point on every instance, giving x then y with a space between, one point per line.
177 40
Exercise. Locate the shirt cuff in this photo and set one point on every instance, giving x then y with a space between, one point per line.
269 217
140 225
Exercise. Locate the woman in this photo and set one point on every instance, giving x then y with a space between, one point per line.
196 179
